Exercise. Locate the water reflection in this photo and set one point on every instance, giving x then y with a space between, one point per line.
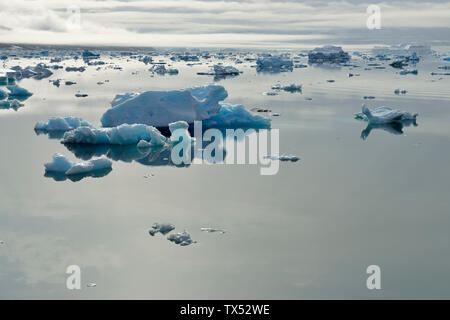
61 176
395 128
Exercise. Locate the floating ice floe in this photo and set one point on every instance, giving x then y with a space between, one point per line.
38 72
384 114
283 157
60 164
408 71
159 108
445 58
212 230
122 135
163 228
233 116
16 91
61 124
274 63
331 54
11 104
3 94
161 69
179 130
292 88
181 238
225 70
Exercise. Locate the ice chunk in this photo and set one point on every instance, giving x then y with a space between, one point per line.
211 230
181 238
292 88
283 157
59 164
274 63
3 94
159 108
16 91
89 166
121 135
384 114
163 228
61 124
161 69
408 71
332 54
144 144
236 116
181 128
11 104
38 72
225 70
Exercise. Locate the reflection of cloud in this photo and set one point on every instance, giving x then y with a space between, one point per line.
43 259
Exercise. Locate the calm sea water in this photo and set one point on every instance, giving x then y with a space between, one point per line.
309 231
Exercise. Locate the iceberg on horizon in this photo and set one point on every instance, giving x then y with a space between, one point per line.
384 114
332 54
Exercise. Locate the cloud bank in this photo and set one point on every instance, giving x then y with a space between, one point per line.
213 23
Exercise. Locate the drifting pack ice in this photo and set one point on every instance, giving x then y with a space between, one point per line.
274 63
159 108
383 115
61 124
60 164
121 135
331 54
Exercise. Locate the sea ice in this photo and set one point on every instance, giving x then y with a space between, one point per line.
61 124
159 108
330 54
121 135
181 238
211 230
60 164
384 114
225 70
276 63
283 157
16 91
233 116
163 228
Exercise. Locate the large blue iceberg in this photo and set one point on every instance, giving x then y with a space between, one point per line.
159 108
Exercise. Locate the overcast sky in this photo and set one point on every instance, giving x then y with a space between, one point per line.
282 23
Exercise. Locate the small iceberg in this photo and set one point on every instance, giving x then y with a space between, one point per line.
163 228
121 135
16 91
181 238
61 124
274 63
331 54
381 115
60 165
408 71
283 157
212 230
161 69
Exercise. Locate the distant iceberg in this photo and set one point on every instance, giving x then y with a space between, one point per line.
181 238
16 91
331 54
61 124
274 63
159 108
121 135
384 114
163 228
60 164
